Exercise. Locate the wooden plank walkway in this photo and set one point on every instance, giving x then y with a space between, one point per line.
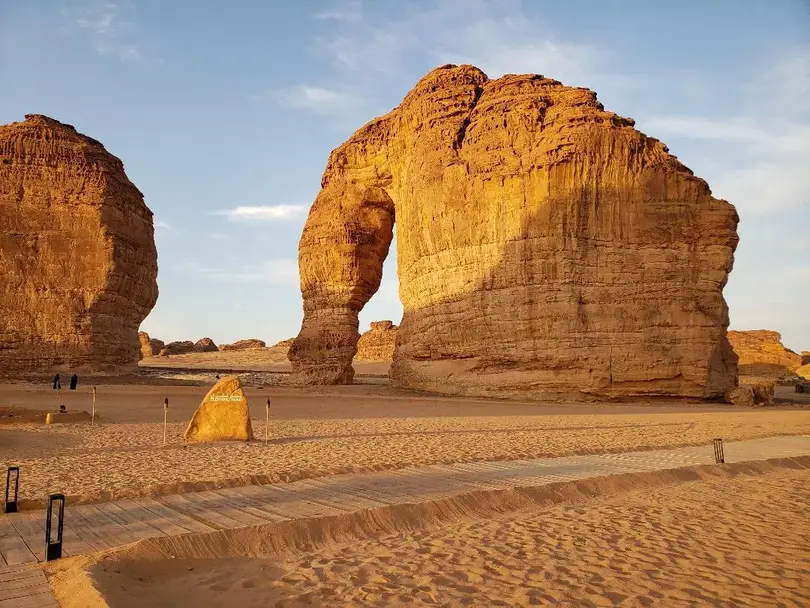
94 527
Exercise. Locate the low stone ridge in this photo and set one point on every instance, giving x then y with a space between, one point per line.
179 347
545 248
77 252
223 415
283 343
761 353
205 345
150 347
243 344
377 344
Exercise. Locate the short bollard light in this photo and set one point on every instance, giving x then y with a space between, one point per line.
267 421
719 456
165 417
53 548
11 501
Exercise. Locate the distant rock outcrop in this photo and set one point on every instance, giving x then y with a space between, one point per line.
205 345
78 263
377 344
179 347
150 347
761 353
243 344
546 248
284 343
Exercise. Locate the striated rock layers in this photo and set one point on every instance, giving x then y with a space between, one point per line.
377 344
150 347
545 248
761 353
77 252
247 344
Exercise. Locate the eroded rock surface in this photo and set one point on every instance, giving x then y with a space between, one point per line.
150 347
377 344
545 248
205 345
761 353
77 252
222 415
178 347
244 344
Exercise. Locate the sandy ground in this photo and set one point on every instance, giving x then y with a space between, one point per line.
729 537
319 432
270 359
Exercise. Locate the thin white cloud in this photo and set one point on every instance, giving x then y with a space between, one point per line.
161 224
108 26
265 213
281 271
312 98
759 159
458 31
350 11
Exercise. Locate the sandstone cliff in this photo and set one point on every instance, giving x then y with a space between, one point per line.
77 252
546 248
150 347
761 353
377 344
178 347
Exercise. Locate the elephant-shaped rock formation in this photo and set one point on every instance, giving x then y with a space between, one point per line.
545 248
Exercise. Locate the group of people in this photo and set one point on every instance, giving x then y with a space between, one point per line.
74 380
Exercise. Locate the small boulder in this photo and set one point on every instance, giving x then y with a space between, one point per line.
223 415
205 345
742 396
763 392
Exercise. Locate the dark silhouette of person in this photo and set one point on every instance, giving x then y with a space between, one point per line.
74 379
56 383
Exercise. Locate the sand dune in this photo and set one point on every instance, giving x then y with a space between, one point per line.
679 538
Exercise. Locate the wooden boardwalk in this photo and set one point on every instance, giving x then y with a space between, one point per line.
94 527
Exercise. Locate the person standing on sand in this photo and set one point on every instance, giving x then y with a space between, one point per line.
56 383
74 379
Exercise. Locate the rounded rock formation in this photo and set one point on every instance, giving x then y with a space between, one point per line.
150 347
205 345
546 248
77 252
377 344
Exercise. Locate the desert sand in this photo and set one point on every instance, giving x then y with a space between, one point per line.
321 431
691 538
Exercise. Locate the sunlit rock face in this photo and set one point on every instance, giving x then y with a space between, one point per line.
78 264
545 248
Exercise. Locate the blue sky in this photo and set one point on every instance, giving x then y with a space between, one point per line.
224 114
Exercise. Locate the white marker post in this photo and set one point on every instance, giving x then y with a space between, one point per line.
93 416
165 417
267 422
